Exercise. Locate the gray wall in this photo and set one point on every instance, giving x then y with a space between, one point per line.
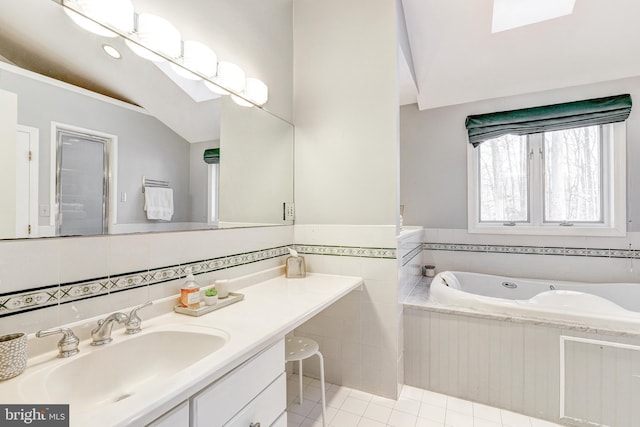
145 145
433 153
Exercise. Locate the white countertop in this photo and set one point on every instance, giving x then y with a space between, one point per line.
270 310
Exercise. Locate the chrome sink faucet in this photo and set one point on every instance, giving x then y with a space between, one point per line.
102 333
133 323
68 345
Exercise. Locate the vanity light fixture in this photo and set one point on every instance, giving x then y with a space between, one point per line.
111 51
114 13
229 76
196 57
154 38
255 91
156 34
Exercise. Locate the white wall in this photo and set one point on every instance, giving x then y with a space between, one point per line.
434 191
256 167
434 152
346 108
346 178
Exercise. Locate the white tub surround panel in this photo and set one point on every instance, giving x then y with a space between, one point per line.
516 364
270 310
409 274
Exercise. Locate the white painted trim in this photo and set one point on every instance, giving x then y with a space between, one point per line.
112 147
563 340
46 230
158 227
615 213
34 168
213 173
57 83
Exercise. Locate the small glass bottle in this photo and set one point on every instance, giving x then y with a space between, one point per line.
190 292
295 267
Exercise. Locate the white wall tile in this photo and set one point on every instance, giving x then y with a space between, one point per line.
128 253
84 258
29 264
31 321
380 236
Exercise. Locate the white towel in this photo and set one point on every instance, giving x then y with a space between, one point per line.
158 203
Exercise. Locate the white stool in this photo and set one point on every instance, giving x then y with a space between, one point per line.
299 348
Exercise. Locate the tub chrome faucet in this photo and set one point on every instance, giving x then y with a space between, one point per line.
102 333
133 322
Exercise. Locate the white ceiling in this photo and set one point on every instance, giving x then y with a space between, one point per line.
457 59
453 54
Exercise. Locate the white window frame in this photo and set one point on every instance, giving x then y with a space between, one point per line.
614 203
213 194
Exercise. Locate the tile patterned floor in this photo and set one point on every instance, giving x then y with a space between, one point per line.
415 408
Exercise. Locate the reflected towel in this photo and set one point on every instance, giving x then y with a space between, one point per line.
158 203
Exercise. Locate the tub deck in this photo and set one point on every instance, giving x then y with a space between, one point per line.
418 299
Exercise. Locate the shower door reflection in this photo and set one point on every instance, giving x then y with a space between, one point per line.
82 190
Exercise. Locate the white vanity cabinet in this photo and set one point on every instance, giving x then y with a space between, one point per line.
177 417
253 393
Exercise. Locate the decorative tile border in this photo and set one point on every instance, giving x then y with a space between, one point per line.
406 258
34 299
39 298
534 250
351 251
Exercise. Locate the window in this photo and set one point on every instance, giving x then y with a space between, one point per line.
566 182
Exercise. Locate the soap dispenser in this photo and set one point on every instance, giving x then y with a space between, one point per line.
295 267
190 292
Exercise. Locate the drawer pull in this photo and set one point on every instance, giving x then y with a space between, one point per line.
255 425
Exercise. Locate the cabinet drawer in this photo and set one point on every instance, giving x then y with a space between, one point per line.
218 403
265 408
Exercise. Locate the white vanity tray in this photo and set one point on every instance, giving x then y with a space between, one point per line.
204 309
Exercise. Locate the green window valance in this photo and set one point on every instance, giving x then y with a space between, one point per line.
599 111
212 156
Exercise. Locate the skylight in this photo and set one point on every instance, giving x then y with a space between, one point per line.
508 14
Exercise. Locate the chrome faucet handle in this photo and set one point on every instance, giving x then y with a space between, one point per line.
133 324
68 344
102 333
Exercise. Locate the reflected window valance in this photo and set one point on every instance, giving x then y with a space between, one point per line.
590 112
212 156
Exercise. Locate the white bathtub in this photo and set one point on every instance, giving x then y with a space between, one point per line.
613 306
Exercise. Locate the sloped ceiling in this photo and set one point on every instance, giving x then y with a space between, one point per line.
457 59
449 55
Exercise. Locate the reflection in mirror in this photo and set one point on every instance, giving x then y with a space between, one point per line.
247 187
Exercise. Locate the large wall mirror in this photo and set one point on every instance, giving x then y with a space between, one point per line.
76 163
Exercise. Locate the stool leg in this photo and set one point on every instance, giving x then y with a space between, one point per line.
324 403
300 375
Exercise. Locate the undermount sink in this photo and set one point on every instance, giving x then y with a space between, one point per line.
99 376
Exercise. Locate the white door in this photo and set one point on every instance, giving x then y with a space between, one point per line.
27 143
